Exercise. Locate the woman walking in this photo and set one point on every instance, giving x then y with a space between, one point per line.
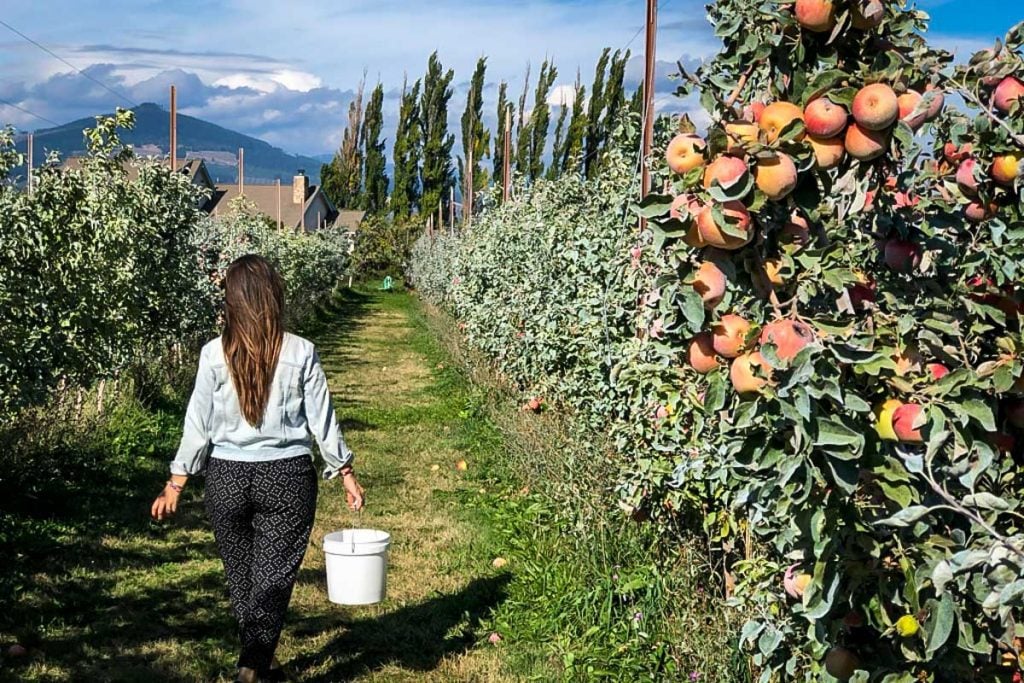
259 393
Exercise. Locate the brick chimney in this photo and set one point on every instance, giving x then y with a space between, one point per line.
300 188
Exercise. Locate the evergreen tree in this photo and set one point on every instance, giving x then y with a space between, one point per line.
540 120
593 143
499 136
405 196
343 181
375 193
436 174
475 136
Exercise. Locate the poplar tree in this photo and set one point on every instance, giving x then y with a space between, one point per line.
342 179
522 141
475 136
575 138
436 174
375 192
558 148
636 105
540 120
593 143
405 196
606 104
499 136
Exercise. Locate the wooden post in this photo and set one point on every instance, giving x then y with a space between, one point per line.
280 225
31 151
440 214
241 171
451 211
174 129
99 396
648 138
506 172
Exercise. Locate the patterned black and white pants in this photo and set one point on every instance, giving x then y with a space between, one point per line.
262 515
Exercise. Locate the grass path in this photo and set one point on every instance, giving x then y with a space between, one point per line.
99 593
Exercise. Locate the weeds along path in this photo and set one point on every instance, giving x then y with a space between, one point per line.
97 592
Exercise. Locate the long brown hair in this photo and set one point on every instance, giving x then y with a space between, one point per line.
253 331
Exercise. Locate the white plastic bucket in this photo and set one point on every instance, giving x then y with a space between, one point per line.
357 566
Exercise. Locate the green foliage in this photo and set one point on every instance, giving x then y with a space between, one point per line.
97 268
311 264
608 99
499 135
383 246
375 183
436 174
104 269
342 179
533 133
405 196
475 135
795 477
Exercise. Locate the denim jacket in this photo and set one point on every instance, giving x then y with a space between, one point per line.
299 404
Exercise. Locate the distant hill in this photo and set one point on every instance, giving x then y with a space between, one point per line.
196 138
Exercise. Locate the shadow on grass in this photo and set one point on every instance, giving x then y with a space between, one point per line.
415 638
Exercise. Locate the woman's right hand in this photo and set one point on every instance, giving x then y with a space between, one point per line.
353 492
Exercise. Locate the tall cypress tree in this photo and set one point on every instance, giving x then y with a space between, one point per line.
405 196
575 138
344 179
499 135
436 175
475 136
594 141
540 120
375 193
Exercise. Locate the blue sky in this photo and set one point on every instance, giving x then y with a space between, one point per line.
286 71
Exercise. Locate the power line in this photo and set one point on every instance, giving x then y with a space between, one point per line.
64 61
26 111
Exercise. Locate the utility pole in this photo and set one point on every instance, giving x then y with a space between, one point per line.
506 172
280 225
241 171
174 129
31 151
648 138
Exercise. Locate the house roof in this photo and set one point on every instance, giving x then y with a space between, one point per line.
267 198
349 220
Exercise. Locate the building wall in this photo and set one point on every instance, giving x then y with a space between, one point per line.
317 207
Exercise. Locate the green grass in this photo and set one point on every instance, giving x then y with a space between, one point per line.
96 591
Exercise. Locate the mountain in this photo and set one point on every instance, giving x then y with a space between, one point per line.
218 146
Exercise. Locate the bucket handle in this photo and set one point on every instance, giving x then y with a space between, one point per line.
360 513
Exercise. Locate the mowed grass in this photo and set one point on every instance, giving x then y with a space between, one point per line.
98 592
